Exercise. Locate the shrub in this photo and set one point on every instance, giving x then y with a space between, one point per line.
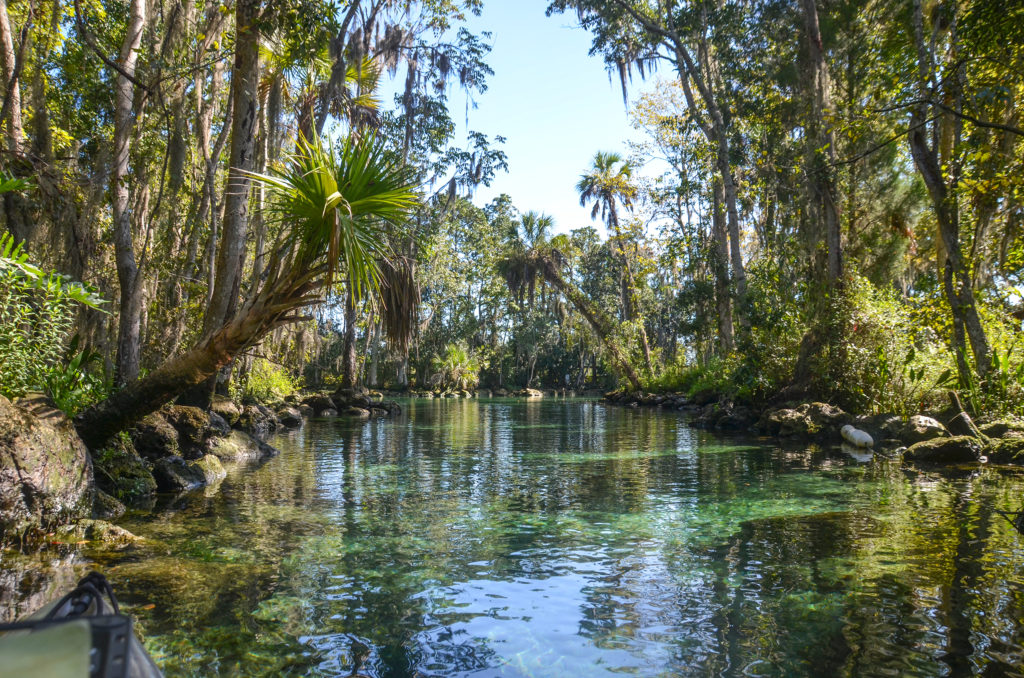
37 311
457 369
267 382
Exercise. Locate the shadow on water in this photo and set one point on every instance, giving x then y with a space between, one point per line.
565 538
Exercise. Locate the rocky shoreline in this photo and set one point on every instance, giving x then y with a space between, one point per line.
947 437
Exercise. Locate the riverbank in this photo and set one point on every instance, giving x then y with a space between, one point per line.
949 436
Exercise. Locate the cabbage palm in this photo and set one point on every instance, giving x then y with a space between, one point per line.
608 183
334 206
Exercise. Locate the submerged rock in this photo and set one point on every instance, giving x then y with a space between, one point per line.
955 450
99 531
45 470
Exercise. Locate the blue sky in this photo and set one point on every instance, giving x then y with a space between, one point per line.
552 102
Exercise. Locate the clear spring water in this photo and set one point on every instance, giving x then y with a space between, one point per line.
567 538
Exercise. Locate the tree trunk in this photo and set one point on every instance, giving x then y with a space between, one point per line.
720 265
129 318
348 351
12 88
821 151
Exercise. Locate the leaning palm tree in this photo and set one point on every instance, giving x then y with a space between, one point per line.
334 206
608 183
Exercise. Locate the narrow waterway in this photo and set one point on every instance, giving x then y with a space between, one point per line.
566 538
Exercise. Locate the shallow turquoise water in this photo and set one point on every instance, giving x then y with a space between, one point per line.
566 538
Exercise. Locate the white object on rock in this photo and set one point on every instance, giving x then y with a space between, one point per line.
856 437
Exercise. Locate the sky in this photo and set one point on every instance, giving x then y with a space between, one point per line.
554 104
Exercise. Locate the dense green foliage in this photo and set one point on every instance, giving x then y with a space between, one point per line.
826 201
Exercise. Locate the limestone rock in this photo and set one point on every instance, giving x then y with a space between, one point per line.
121 472
227 408
305 410
154 437
1007 428
219 427
105 507
289 417
257 421
319 402
212 469
920 428
357 412
809 420
175 474
193 427
955 450
329 412
1008 450
241 447
45 469
99 531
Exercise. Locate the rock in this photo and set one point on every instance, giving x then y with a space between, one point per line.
955 450
329 412
227 408
289 417
319 402
99 531
175 474
241 447
45 471
305 410
733 418
121 472
1009 450
530 393
809 420
154 437
920 428
106 507
500 393
389 406
212 469
257 421
193 427
1003 429
292 399
357 412
880 426
219 427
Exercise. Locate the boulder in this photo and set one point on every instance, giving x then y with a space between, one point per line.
329 412
356 412
105 507
46 476
257 421
121 472
219 427
389 406
241 447
319 402
175 474
879 426
1008 428
305 410
1008 450
809 420
154 437
500 393
289 417
227 408
212 469
955 450
530 393
193 427
920 428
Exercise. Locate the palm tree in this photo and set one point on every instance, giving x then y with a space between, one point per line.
535 228
608 183
334 207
